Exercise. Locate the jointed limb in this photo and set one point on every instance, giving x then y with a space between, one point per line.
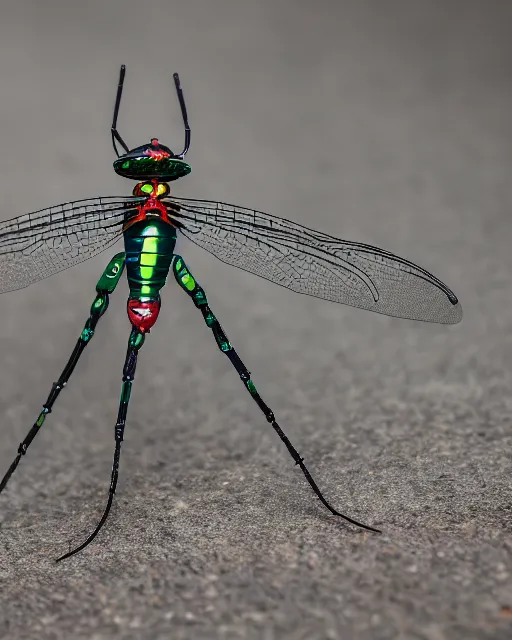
192 288
134 344
106 284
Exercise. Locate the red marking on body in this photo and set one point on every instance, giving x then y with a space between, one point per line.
151 204
143 315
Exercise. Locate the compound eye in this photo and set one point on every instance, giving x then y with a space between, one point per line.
141 189
162 189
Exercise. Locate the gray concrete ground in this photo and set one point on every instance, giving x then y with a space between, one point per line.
383 122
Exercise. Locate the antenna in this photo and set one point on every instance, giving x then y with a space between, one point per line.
179 91
115 134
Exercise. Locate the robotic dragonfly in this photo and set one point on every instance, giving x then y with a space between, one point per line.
37 245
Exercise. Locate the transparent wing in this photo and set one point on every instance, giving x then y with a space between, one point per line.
37 245
314 263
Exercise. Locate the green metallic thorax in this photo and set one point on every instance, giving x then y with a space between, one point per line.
149 246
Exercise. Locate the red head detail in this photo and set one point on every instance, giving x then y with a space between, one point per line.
157 153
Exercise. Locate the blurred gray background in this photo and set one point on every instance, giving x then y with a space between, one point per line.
381 122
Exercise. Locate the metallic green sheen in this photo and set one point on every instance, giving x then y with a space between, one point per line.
87 334
251 387
126 390
100 304
137 340
144 167
149 246
199 297
110 277
189 282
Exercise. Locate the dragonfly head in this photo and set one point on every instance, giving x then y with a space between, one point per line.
151 161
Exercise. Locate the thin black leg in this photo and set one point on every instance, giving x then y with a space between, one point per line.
192 288
106 285
135 343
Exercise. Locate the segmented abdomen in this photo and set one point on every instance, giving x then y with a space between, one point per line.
149 247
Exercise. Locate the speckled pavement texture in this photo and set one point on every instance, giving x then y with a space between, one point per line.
381 122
